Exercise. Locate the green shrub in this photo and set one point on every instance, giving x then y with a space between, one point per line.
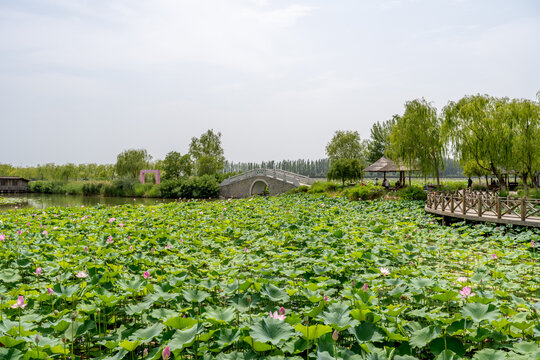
201 187
366 192
73 188
479 187
93 187
412 193
205 186
140 190
322 186
298 190
47 187
453 186
154 192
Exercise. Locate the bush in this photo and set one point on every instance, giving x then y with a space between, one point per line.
299 190
73 188
93 187
453 186
154 192
412 193
47 187
120 187
141 189
366 192
201 187
479 187
322 186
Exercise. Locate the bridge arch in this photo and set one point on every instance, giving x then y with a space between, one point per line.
258 187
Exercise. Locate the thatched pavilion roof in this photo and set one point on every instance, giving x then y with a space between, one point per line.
384 164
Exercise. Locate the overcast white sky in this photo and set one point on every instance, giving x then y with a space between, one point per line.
82 80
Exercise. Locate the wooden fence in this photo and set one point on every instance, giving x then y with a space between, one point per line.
485 206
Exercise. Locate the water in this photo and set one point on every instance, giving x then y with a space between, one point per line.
42 201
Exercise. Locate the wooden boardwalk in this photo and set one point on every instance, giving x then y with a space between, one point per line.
484 206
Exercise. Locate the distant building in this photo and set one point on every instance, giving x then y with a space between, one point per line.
13 184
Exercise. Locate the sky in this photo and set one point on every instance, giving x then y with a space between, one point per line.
83 80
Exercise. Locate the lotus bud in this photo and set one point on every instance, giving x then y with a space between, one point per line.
145 352
73 316
166 353
37 338
335 335
56 313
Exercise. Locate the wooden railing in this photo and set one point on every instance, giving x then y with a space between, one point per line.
485 206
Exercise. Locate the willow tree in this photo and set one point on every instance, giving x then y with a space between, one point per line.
415 138
480 129
526 141
380 139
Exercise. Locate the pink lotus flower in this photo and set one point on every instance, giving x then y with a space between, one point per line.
86 249
20 303
130 247
365 287
282 311
168 247
81 274
277 316
146 275
2 237
153 249
121 225
111 220
466 292
145 351
45 232
245 249
19 232
50 291
39 271
533 244
493 256
461 279
166 353
384 271
326 298
335 335
109 239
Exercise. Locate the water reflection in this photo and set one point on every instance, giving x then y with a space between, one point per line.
42 201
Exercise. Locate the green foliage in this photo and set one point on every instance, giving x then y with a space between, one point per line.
202 187
412 193
345 169
319 187
479 187
129 163
380 139
207 152
216 269
365 192
176 165
472 169
416 139
346 145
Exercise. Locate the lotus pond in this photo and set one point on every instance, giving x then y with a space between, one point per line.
292 277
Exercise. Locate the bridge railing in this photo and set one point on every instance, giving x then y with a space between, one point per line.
278 174
484 204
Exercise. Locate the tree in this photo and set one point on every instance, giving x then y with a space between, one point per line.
526 139
176 165
415 138
346 145
471 168
380 139
130 162
480 129
345 169
207 153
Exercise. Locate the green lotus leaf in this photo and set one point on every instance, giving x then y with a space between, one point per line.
422 337
10 276
490 354
338 316
527 348
9 342
274 293
313 331
129 345
257 345
226 337
447 355
148 334
195 295
183 338
180 322
480 312
221 315
271 330
366 332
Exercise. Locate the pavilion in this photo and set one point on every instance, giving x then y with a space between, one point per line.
385 165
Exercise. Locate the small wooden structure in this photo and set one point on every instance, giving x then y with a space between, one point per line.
484 206
13 184
385 165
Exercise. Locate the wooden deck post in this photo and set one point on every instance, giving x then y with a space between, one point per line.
452 203
523 208
479 205
498 208
464 204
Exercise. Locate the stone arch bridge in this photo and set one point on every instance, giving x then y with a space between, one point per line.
262 182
